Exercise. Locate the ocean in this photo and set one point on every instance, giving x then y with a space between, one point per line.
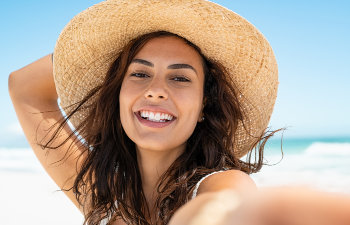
319 162
322 163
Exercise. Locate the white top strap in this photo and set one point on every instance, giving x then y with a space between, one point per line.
194 194
200 181
105 221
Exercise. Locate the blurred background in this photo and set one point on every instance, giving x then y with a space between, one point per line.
311 43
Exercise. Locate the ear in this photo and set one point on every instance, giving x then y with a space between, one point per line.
200 117
201 114
204 102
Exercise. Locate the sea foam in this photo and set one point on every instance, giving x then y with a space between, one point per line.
321 165
324 165
322 148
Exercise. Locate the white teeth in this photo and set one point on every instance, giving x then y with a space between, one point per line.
151 116
156 117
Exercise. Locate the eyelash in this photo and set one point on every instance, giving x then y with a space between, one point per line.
175 78
138 75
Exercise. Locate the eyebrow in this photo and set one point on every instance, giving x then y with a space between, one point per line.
172 66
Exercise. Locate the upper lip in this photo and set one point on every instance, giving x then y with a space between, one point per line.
155 109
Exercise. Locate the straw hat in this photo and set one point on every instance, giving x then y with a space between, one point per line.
92 40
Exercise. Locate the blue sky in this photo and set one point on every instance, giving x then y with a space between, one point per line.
310 40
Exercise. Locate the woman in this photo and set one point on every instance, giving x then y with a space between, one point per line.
160 112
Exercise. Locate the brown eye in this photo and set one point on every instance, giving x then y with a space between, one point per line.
181 79
139 75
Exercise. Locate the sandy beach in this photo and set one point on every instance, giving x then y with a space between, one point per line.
31 198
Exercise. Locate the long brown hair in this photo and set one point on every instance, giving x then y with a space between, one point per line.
110 172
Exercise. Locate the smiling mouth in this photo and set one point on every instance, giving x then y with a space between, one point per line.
156 116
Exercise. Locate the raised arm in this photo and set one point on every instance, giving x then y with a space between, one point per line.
34 98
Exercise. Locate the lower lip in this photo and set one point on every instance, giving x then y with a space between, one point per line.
149 123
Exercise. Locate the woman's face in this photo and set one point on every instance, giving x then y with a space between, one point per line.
161 97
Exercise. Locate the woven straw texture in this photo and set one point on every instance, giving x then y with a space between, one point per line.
93 39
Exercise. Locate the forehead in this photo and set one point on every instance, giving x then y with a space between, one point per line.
170 48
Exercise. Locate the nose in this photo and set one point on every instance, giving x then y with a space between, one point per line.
156 91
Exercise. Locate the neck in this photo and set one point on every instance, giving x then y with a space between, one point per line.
153 164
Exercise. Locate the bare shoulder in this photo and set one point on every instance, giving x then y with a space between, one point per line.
230 179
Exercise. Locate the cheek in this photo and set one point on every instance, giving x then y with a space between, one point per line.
191 104
122 100
190 113
125 103
128 93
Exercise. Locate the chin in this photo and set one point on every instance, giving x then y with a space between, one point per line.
158 146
